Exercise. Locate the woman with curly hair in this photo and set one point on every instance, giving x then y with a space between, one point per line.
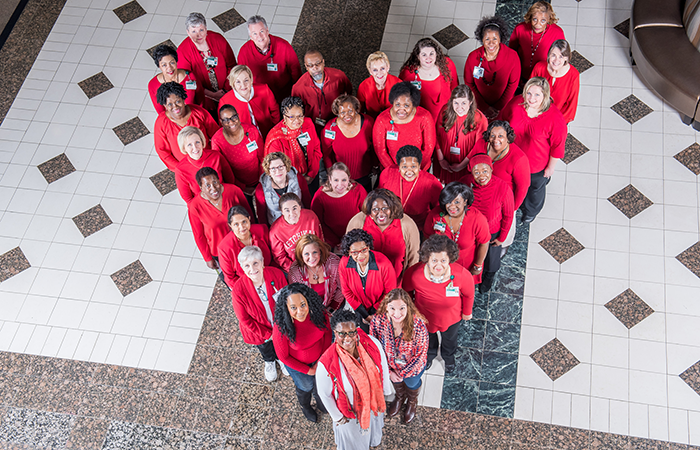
165 58
279 178
433 73
315 266
301 334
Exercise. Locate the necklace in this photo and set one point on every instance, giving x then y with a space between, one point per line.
415 182
534 47
455 234
499 155
314 275
362 273
435 279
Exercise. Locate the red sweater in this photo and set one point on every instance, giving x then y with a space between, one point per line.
252 318
434 94
374 101
282 55
245 162
419 132
564 90
284 237
495 202
389 242
432 300
447 141
417 197
265 109
317 102
540 138
195 94
187 168
381 278
335 213
523 40
165 133
230 247
209 225
513 169
499 81
190 59
310 344
308 166
356 152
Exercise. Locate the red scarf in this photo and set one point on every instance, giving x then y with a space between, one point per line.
299 160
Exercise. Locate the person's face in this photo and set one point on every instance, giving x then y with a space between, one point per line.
534 97
298 307
194 146
340 182
438 263
175 106
397 310
380 212
315 64
456 207
240 225
242 84
277 169
211 188
403 107
461 106
168 65
346 336
379 70
409 167
253 268
492 40
260 35
347 113
359 251
311 254
498 138
556 59
291 211
427 57
197 33
294 118
229 120
482 173
539 21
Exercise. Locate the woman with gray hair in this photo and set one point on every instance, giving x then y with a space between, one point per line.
253 297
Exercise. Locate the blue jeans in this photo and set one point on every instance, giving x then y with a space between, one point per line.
415 382
303 381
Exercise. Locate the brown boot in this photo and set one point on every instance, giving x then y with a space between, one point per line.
410 413
399 400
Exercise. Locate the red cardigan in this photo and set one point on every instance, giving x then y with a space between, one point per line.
446 141
317 102
419 132
310 344
280 53
252 318
335 213
513 169
434 94
245 162
495 202
381 278
374 101
356 152
523 40
209 225
417 197
500 79
264 107
230 247
284 237
308 167
195 94
187 168
190 59
165 133
564 90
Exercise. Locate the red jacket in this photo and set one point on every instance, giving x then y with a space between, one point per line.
356 152
335 212
265 109
447 141
317 102
284 237
310 344
419 132
190 59
564 90
372 100
252 318
230 247
244 158
187 168
165 133
195 93
306 166
523 40
381 278
281 54
417 197
500 79
513 169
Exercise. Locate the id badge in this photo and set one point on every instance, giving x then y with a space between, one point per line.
212 61
320 122
478 72
329 134
440 227
304 138
271 67
451 291
191 85
392 135
417 84
455 150
251 146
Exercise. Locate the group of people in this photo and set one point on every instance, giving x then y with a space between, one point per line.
353 281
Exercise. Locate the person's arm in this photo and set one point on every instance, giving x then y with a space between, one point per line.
273 107
324 388
281 344
230 59
429 139
454 77
549 170
279 254
386 382
317 207
345 282
228 266
419 351
239 198
183 186
514 42
292 63
162 144
479 257
347 85
315 154
227 175
507 215
379 141
305 193
570 105
466 291
200 237
513 66
327 146
261 205
412 238
253 332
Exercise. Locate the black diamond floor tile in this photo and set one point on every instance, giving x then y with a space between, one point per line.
690 258
574 149
690 158
629 309
630 201
56 168
130 278
554 359
623 28
164 181
691 376
228 20
95 85
130 11
168 43
92 220
561 245
131 131
12 263
580 62
631 109
450 36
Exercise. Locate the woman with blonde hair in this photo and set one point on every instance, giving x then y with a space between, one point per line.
255 103
563 78
373 92
315 266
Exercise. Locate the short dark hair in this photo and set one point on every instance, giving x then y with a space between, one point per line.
353 236
317 313
454 190
163 50
438 243
342 316
291 102
389 197
228 107
237 210
410 151
510 133
205 172
404 88
495 23
170 88
289 196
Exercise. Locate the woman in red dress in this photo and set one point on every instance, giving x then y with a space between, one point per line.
165 58
288 229
373 92
563 78
317 267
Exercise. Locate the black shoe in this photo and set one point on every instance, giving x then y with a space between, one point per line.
319 404
428 365
486 282
449 368
305 402
527 219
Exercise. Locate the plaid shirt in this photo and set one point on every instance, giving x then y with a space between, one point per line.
406 358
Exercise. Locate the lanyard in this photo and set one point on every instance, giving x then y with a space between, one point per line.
403 202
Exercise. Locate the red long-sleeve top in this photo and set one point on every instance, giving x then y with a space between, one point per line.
449 141
335 212
244 158
252 318
230 247
441 310
284 236
261 204
541 137
165 133
330 291
524 40
209 225
513 169
308 347
420 131
381 278
495 202
195 93
190 59
417 197
356 152
317 102
306 166
373 100
187 168
282 57
263 106
563 90
434 94
499 81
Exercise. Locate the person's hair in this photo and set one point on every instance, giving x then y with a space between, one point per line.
289 197
163 50
313 51
407 89
495 23
413 62
205 172
454 190
309 239
236 71
256 19
170 88
289 103
389 197
250 252
235 211
563 46
345 98
438 243
343 168
510 133
344 316
377 56
195 19
283 320
541 7
228 107
353 236
410 151
543 84
411 311
450 116
273 156
187 132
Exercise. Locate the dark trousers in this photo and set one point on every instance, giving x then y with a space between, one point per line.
365 182
448 347
267 350
493 257
534 200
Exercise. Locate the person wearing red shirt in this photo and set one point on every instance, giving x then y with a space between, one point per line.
286 231
177 115
254 103
373 92
271 59
540 131
563 78
337 202
279 178
533 37
243 234
444 294
253 298
301 334
317 267
459 127
165 58
404 123
417 189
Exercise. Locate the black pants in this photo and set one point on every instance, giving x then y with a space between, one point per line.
267 350
366 182
534 200
493 257
448 347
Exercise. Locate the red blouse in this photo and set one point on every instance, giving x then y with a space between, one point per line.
187 168
335 212
455 145
190 59
373 100
230 247
513 169
356 152
165 133
389 137
434 94
406 358
262 110
284 236
195 93
499 81
533 47
389 242
495 202
381 278
306 165
244 158
564 90
417 197
308 347
252 318
285 70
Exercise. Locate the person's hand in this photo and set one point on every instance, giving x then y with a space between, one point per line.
308 179
394 377
466 316
211 264
496 242
491 113
548 172
312 370
216 96
368 319
446 165
343 421
476 270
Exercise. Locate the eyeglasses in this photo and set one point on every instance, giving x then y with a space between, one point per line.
345 334
359 252
229 119
386 209
313 66
301 117
277 168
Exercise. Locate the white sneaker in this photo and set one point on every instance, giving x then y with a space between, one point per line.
270 371
284 369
